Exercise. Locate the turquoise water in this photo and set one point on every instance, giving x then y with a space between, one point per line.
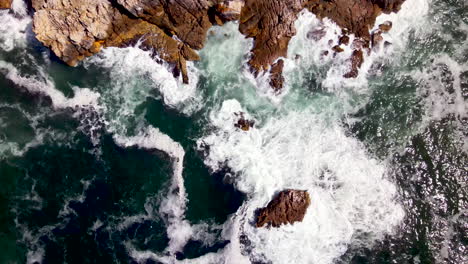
87 177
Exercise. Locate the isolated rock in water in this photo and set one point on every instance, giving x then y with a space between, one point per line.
243 123
75 29
337 49
5 4
357 17
376 38
288 206
343 40
388 6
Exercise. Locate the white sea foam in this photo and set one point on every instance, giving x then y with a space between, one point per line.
350 195
311 57
134 73
14 26
41 84
440 87
173 206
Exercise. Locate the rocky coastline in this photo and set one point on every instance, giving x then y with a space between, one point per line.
176 29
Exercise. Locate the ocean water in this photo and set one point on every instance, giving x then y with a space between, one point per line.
116 161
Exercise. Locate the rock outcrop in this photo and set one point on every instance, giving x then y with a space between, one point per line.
287 207
75 29
5 4
174 29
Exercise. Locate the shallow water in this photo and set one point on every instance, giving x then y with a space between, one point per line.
116 161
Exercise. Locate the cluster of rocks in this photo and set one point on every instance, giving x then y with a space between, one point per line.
75 29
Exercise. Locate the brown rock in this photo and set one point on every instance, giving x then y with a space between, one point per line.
229 10
344 40
5 4
359 44
357 58
388 6
376 38
189 20
276 76
271 24
174 29
244 123
337 49
356 16
75 29
386 26
288 206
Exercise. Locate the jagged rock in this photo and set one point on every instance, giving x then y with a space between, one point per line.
5 4
174 29
276 76
189 20
386 26
357 58
271 24
288 206
337 49
243 123
343 40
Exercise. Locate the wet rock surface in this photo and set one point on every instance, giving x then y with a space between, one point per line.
287 207
5 4
244 123
174 30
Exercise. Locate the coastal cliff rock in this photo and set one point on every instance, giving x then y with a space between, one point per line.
75 29
5 4
174 30
271 24
288 206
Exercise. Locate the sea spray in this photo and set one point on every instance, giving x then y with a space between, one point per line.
135 74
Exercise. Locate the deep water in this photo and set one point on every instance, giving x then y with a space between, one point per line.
90 155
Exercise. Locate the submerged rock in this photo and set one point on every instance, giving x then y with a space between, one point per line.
5 4
288 207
